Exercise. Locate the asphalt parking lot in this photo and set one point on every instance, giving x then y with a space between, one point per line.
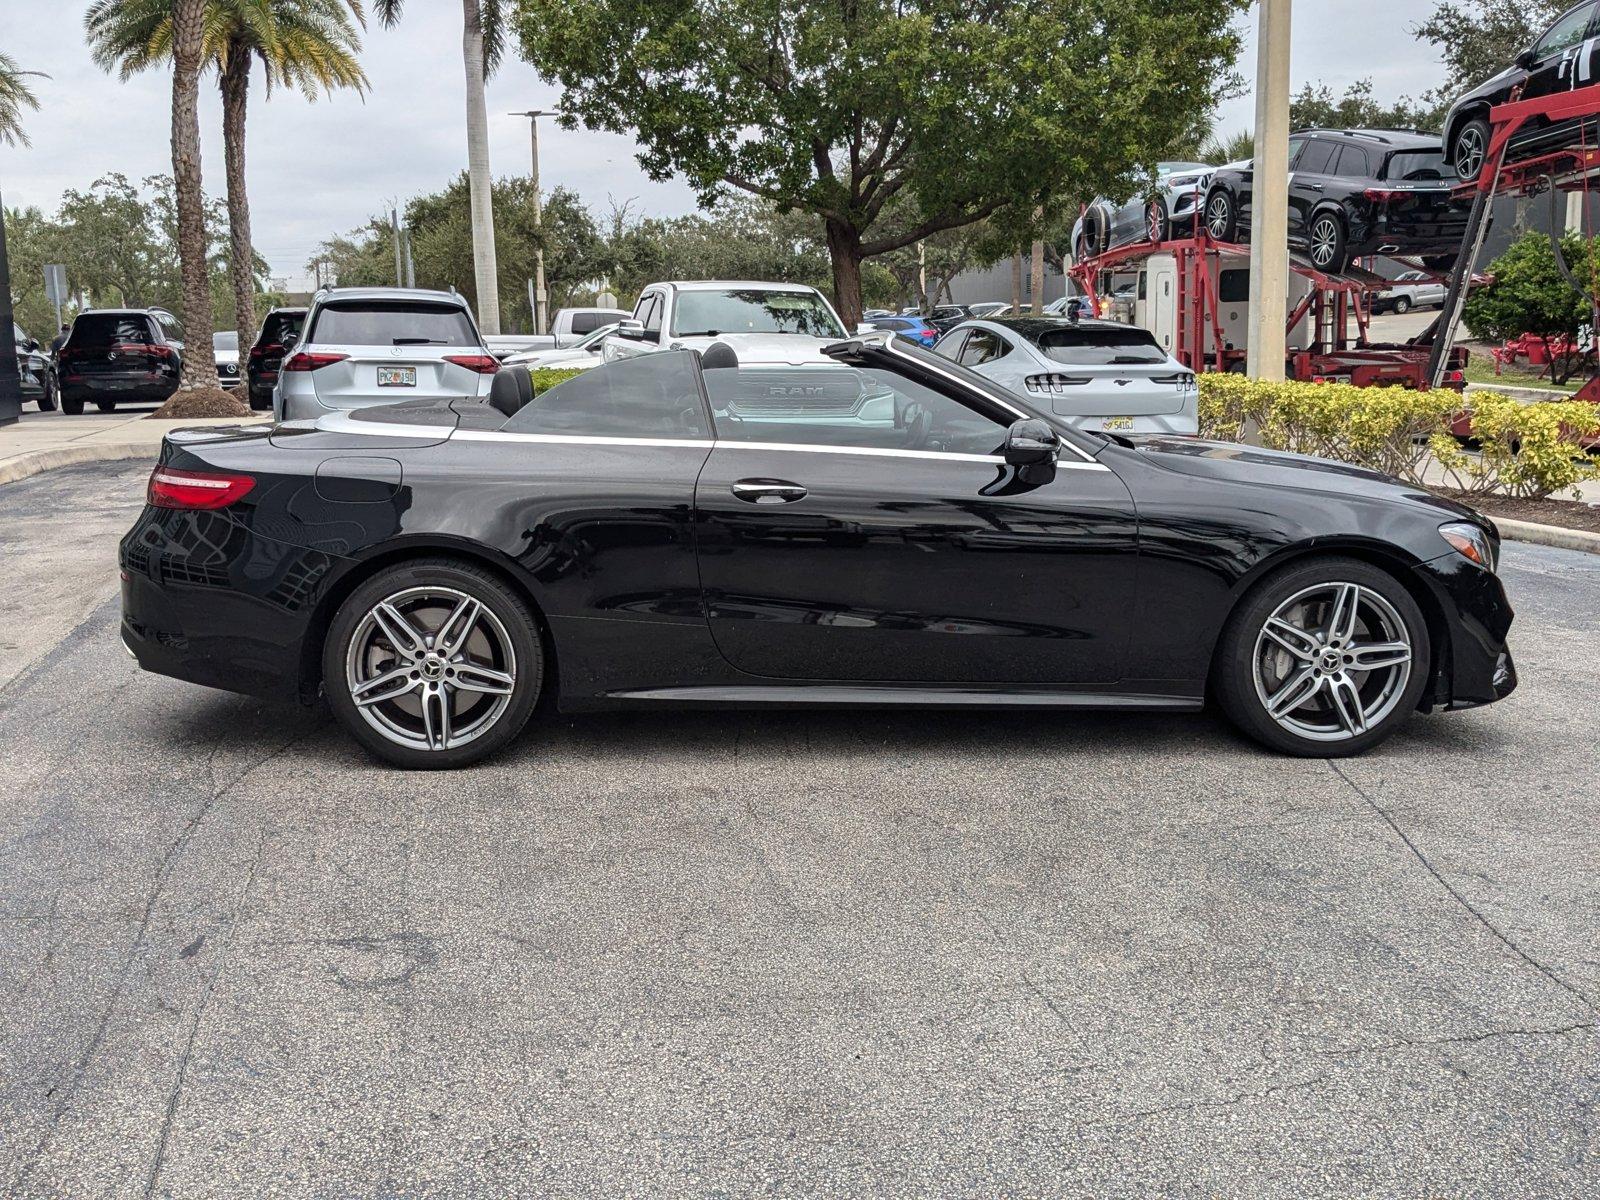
821 953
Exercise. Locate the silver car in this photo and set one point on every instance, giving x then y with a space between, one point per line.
1099 375
1414 289
363 346
1169 210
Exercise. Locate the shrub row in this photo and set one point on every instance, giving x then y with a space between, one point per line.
1515 449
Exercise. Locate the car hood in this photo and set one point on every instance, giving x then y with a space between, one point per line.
790 348
1235 463
538 359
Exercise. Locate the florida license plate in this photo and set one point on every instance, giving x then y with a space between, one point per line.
397 377
1117 423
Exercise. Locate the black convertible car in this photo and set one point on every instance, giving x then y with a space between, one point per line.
883 527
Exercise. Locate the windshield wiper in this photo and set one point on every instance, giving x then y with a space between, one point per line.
419 342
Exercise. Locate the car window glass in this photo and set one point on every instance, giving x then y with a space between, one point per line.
646 396
652 313
1100 345
982 346
392 323
1352 163
278 326
225 341
753 310
1233 286
1415 164
830 404
1296 148
1316 158
950 345
1567 31
588 322
107 329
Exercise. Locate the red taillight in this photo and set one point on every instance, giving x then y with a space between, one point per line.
306 360
1384 195
174 488
262 351
483 364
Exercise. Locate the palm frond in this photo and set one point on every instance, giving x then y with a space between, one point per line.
15 97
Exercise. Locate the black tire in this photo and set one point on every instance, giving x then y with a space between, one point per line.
1157 221
1401 305
1392 693
1221 216
260 405
106 406
47 398
71 405
1328 248
522 657
1469 146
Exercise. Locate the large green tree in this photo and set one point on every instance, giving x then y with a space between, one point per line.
1004 110
1356 108
308 45
1528 293
1479 38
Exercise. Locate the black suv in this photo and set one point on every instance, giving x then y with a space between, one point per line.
114 355
1354 192
38 376
1563 57
279 330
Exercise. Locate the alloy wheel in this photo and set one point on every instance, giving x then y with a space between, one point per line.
1324 234
431 668
1470 151
1218 216
1332 661
1155 221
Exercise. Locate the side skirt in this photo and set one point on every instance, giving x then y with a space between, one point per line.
854 695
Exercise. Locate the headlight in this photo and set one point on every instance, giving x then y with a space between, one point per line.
1470 541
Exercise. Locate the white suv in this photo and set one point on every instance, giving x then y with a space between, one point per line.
763 322
365 346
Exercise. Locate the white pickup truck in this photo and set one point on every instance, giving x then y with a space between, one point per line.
568 327
763 322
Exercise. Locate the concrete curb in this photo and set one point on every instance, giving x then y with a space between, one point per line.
1519 393
1548 535
24 465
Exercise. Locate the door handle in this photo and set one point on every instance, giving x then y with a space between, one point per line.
768 491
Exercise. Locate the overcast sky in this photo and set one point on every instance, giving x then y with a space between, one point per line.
322 169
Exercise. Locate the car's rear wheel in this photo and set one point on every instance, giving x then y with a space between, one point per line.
433 664
71 405
1222 219
1327 243
1470 148
106 405
1323 659
1402 305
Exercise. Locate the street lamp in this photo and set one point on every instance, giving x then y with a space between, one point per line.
540 297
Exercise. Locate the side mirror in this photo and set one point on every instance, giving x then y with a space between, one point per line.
630 329
1526 59
1031 443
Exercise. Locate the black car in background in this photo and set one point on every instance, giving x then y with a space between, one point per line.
1563 57
881 528
114 356
1352 193
279 331
38 374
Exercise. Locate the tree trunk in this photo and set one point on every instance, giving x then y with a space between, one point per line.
188 34
1016 284
485 269
844 248
241 266
1037 279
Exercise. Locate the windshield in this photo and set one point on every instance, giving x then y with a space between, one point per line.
1415 165
225 341
595 338
753 310
1100 346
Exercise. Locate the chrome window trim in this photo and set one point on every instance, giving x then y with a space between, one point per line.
575 439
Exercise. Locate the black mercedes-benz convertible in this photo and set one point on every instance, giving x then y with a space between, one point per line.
880 527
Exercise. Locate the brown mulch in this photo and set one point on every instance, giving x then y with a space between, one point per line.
1567 514
201 402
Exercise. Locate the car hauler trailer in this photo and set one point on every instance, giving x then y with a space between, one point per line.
1193 294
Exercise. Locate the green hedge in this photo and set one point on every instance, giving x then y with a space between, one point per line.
1525 450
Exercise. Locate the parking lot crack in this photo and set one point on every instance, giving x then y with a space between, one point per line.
1576 993
1230 1102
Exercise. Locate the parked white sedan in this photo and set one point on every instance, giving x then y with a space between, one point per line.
1100 375
588 352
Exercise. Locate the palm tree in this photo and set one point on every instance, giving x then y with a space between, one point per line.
310 45
482 42
15 95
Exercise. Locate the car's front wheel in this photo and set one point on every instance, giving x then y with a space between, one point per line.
1470 148
433 664
1222 219
1323 659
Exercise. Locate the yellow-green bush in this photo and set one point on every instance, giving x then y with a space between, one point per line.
1386 429
545 378
1527 450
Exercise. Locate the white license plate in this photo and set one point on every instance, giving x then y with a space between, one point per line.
397 377
1117 423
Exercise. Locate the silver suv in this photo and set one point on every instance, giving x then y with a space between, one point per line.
363 346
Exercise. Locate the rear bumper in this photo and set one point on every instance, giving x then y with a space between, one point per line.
139 388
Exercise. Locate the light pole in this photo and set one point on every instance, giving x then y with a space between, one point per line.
541 300
1269 222
10 377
